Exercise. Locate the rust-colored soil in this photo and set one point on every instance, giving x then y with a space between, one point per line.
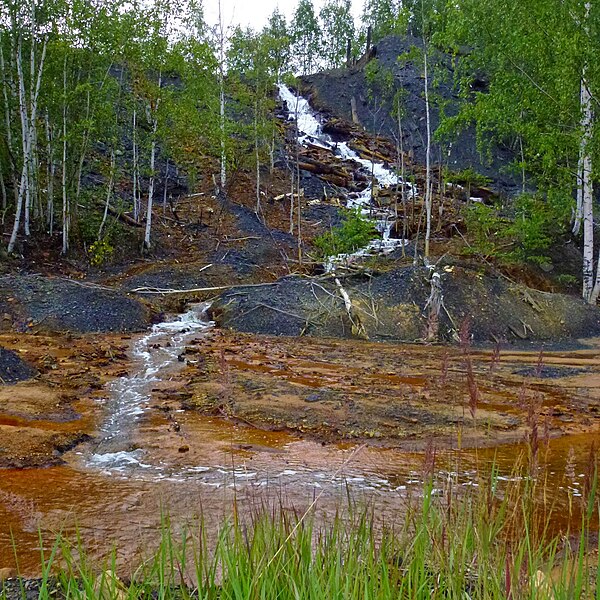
42 418
391 395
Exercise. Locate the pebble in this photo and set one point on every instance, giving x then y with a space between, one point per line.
7 573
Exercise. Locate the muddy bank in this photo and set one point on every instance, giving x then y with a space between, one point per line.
36 303
393 306
43 418
393 395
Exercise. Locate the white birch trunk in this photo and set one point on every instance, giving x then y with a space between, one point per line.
165 188
6 87
591 288
50 171
152 166
84 144
4 196
65 199
428 202
34 92
23 193
108 193
257 156
222 100
150 189
136 202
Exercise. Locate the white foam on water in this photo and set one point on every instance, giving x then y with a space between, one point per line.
129 395
300 111
311 132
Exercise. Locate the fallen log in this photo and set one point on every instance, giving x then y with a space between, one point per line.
121 216
218 288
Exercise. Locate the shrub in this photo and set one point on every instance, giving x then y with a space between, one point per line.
536 223
355 232
100 252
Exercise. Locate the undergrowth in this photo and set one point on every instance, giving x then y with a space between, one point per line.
353 233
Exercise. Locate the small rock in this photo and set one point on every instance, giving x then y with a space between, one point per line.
109 587
184 448
7 573
314 398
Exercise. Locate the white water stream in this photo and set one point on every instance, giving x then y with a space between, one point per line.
310 132
129 396
154 356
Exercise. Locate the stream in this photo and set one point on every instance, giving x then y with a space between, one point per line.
113 490
310 132
145 460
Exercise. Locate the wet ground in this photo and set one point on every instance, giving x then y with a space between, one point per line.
219 418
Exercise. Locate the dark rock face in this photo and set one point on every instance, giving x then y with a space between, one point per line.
332 92
13 369
392 306
57 304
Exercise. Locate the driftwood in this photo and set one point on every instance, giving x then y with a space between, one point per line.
218 288
357 326
355 118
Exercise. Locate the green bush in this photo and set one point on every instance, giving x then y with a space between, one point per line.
355 232
486 230
467 177
535 223
100 252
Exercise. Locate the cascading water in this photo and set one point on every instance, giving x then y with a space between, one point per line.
310 132
129 396
117 454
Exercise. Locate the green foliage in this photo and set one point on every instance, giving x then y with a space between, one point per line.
567 280
355 232
100 252
306 37
385 17
486 230
380 81
532 54
535 224
338 27
467 177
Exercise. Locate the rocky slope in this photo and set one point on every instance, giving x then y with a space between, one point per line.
333 92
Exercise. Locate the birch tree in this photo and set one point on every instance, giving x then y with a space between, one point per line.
306 37
29 38
541 62
337 26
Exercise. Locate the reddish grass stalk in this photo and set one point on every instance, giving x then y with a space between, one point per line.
429 460
465 343
508 578
495 359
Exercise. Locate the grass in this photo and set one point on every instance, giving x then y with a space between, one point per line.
494 540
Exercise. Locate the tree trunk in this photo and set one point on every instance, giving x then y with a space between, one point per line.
591 288
50 170
136 202
257 156
222 100
23 192
108 193
166 182
65 198
428 202
152 169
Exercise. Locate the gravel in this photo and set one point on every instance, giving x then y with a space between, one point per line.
59 304
13 369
